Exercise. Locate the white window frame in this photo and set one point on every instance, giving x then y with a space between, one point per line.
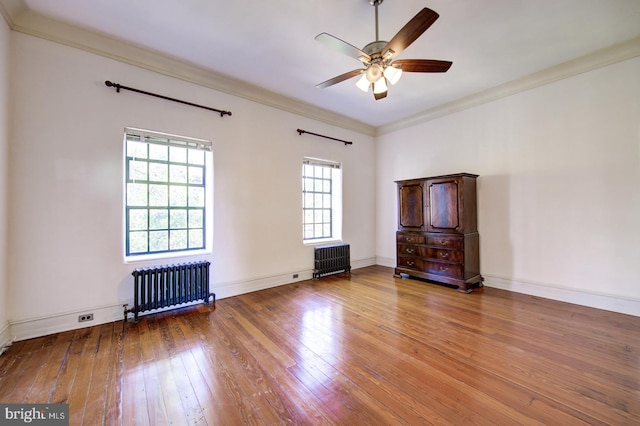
151 137
336 200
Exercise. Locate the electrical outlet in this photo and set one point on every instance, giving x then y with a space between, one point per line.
85 317
295 275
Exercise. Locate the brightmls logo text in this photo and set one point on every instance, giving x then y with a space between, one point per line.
34 414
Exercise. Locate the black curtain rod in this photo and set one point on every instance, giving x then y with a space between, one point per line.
119 86
300 132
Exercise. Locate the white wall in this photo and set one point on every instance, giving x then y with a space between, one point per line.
4 140
66 185
559 186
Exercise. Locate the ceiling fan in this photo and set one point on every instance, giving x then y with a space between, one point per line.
378 56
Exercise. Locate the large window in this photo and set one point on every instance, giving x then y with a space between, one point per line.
321 200
166 193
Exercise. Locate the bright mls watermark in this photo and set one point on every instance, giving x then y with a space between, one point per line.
34 414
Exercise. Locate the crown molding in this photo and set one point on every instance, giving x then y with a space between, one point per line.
11 10
600 58
21 19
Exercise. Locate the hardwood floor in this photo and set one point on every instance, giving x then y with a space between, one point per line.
372 349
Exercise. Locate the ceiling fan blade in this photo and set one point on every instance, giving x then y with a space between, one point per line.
411 31
343 47
379 96
422 65
338 79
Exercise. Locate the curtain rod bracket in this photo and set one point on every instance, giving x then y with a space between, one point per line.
300 132
119 86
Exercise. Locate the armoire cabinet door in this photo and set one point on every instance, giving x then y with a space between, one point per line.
411 206
444 211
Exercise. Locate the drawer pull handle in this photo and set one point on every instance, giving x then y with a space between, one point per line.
410 239
443 254
410 263
444 268
410 250
443 242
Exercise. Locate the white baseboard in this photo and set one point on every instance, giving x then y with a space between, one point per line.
363 263
5 338
385 261
37 327
594 300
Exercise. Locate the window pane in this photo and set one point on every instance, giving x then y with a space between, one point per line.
326 216
177 154
178 196
158 241
158 195
317 230
138 242
178 218
137 170
317 200
308 200
195 175
158 152
326 201
196 239
136 194
318 216
136 149
317 171
308 231
177 173
326 229
318 185
178 240
196 156
159 219
196 219
308 216
308 184
158 172
138 219
326 187
307 170
196 196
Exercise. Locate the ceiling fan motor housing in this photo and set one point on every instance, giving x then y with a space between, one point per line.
374 48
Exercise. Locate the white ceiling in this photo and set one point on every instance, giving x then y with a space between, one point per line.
271 44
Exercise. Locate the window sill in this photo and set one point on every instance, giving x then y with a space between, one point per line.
322 241
172 255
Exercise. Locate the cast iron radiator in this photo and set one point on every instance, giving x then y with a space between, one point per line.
331 259
169 285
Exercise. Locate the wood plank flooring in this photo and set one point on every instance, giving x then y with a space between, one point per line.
370 349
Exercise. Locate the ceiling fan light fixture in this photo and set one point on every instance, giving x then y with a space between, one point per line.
363 83
380 86
374 73
392 74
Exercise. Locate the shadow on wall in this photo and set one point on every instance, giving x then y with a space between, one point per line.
494 225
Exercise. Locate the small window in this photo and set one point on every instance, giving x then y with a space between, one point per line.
321 200
166 193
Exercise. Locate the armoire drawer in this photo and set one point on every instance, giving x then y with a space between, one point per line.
410 238
454 270
411 262
448 241
456 256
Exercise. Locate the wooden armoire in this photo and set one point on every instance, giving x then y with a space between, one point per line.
437 237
